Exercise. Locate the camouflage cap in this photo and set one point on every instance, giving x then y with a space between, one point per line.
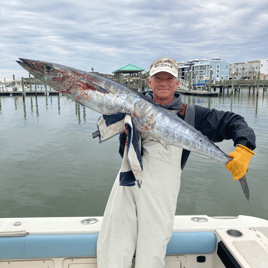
164 65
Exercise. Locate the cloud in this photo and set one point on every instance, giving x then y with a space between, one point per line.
107 35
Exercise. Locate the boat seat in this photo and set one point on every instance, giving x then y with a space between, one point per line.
85 245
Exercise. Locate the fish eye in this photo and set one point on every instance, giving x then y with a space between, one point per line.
48 67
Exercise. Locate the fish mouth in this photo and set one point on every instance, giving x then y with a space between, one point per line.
49 74
25 63
31 67
35 68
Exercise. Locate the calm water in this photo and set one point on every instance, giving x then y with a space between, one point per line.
51 166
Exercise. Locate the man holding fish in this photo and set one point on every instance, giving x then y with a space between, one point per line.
139 221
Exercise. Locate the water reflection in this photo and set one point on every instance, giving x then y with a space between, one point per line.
46 102
31 106
24 109
78 165
15 103
58 104
256 107
36 105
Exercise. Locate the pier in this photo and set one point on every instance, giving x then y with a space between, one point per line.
216 88
139 82
201 93
236 85
28 93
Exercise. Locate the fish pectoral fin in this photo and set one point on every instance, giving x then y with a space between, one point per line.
164 144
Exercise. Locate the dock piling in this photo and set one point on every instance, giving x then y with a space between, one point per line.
121 78
35 86
141 82
258 83
210 79
22 86
190 80
232 83
30 82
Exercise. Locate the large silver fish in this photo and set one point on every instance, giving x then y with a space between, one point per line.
108 97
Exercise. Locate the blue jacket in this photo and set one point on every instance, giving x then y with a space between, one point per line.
216 125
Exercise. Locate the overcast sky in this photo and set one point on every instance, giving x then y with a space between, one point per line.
107 35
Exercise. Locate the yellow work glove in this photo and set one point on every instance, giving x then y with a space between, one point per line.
239 164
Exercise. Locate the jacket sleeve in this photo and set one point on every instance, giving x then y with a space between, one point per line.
221 125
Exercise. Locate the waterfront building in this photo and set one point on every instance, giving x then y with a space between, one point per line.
239 70
200 70
183 68
220 69
249 70
264 67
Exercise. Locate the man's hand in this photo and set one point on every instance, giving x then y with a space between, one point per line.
239 164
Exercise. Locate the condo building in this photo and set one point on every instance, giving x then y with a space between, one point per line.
249 70
200 70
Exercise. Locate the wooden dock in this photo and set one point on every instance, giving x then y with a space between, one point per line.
28 93
200 93
56 93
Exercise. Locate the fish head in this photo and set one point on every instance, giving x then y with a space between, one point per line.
59 77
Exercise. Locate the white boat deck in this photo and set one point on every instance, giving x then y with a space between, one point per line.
197 241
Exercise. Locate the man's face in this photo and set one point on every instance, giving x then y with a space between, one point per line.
163 85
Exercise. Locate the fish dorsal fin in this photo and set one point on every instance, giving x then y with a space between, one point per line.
127 86
88 85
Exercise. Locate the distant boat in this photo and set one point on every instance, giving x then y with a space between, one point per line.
2 87
17 88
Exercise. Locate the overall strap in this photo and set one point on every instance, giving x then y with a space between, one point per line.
190 119
190 115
